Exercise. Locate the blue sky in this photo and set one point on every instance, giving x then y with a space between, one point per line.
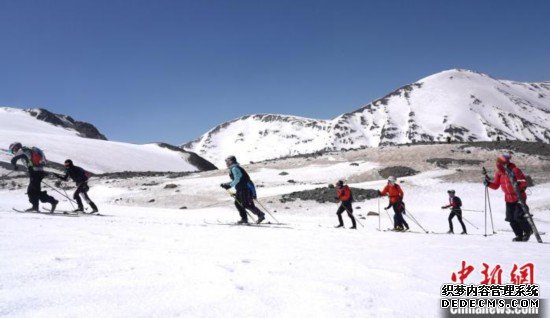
145 71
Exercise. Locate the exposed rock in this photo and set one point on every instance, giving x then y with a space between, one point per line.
445 162
170 186
194 159
284 173
530 148
86 130
397 171
150 184
323 195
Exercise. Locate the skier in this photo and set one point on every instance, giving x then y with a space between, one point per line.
246 193
395 194
343 193
454 203
514 212
35 161
80 177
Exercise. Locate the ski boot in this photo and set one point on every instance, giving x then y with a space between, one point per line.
54 205
398 229
450 232
94 207
517 239
261 217
353 228
339 226
526 236
464 233
242 221
32 209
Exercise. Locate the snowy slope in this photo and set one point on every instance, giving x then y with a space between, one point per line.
461 104
154 262
95 155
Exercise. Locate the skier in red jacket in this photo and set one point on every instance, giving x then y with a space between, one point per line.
344 195
395 193
514 213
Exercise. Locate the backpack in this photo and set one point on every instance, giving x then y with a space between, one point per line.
252 189
37 157
458 201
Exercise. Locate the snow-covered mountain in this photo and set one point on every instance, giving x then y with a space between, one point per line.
61 137
461 104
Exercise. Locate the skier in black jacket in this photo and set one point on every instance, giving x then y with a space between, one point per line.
244 198
455 204
80 177
35 161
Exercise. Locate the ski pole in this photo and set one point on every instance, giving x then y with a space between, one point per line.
69 201
379 214
7 174
415 220
472 224
485 212
266 210
468 210
356 219
239 203
66 196
484 172
389 217
490 210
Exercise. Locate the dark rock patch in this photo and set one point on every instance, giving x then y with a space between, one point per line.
194 159
323 195
85 129
530 148
445 162
170 186
397 171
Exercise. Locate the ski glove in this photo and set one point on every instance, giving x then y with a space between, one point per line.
485 182
226 186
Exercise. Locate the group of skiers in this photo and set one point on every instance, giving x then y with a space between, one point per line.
515 214
507 176
34 159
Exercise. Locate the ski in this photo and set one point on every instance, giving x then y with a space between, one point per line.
44 213
270 225
527 214
405 231
510 231
73 213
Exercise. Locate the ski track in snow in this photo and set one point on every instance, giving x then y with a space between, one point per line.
154 262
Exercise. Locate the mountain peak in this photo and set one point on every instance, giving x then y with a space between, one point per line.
459 104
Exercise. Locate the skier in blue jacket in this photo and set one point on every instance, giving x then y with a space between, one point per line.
246 192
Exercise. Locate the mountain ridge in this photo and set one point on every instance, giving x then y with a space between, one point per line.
459 104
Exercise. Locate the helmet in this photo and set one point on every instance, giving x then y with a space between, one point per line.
69 163
504 158
14 147
340 183
451 192
392 179
231 159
